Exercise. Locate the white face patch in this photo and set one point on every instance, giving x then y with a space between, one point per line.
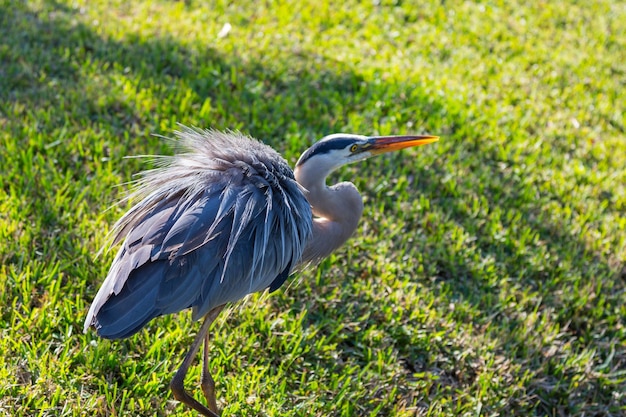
331 144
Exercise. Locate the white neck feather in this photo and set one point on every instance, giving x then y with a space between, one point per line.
337 211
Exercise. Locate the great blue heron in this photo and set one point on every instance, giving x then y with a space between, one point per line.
222 220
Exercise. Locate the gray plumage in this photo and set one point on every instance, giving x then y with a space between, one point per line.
225 218
221 220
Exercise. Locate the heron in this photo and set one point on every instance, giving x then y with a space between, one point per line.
222 218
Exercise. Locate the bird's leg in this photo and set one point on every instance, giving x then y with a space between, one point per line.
177 385
207 383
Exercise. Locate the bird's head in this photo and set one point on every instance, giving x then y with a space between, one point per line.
340 149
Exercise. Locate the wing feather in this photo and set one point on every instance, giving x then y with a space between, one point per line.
221 221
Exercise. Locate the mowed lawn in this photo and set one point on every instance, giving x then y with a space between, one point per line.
488 274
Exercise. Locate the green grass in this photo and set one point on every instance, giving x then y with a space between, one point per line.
488 276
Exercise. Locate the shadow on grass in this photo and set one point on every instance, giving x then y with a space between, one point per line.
304 95
54 48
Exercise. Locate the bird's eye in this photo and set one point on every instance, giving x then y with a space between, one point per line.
353 148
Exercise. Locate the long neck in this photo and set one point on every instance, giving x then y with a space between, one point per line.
337 211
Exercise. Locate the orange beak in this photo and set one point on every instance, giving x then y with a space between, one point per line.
382 144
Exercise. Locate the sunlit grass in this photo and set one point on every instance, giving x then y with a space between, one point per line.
488 274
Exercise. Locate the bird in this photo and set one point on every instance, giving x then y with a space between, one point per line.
224 217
